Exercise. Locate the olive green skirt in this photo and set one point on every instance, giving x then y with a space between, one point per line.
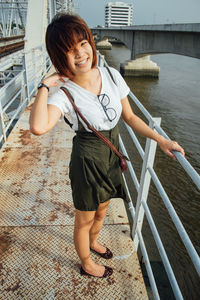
95 173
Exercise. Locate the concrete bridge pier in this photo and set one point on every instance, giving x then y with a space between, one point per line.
104 45
182 39
142 66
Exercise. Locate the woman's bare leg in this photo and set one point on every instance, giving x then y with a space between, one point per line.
96 227
84 220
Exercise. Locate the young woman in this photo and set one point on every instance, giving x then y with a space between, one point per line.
94 169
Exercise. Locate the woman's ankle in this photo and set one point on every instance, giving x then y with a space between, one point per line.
90 265
97 247
87 264
93 244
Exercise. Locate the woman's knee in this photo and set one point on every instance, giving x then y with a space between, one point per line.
101 211
84 219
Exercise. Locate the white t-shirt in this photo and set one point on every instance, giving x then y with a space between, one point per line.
90 105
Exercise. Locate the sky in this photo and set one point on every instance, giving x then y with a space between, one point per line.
144 11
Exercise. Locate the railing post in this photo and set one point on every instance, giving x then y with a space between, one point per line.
26 86
2 123
100 59
34 67
145 179
44 60
52 9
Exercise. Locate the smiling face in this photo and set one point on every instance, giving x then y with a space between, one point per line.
70 45
80 58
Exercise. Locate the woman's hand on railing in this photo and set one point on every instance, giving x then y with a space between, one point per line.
168 146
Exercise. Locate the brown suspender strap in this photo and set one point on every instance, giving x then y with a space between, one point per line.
101 136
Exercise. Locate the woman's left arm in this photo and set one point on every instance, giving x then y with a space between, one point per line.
142 128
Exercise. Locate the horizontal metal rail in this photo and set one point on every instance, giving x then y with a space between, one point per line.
19 109
163 254
179 226
11 82
131 170
135 140
158 241
143 248
34 65
13 99
30 86
181 159
183 234
142 205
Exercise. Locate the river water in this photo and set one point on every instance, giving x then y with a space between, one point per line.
175 97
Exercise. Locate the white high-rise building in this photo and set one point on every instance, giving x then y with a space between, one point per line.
65 6
118 14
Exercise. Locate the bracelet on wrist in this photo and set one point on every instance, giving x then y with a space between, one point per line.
43 85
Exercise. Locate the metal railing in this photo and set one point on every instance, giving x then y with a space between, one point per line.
22 87
142 208
17 92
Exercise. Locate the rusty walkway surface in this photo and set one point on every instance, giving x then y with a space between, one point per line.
37 256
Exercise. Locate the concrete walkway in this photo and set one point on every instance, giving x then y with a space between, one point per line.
37 255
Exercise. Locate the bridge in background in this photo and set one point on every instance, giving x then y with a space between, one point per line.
183 39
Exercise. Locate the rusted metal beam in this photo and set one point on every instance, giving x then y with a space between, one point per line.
10 48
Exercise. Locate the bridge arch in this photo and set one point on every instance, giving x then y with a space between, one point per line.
182 39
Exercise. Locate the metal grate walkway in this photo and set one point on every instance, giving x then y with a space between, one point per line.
37 256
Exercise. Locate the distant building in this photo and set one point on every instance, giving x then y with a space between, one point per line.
65 5
118 14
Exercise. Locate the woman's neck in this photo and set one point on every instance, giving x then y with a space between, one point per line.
90 81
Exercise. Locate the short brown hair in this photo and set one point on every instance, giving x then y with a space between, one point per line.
63 33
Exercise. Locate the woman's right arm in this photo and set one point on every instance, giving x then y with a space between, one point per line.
43 117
